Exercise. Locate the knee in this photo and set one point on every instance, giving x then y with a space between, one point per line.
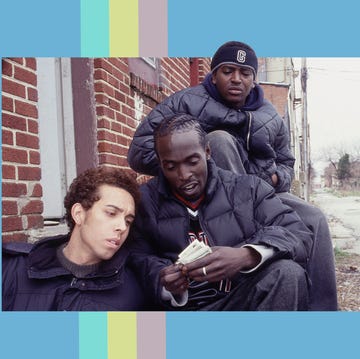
290 272
220 138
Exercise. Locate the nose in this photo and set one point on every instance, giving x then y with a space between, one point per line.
121 225
183 173
236 76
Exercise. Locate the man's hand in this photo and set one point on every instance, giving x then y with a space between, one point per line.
223 262
173 279
274 179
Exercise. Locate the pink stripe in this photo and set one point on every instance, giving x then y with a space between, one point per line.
151 335
153 28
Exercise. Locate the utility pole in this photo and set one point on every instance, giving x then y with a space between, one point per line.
305 134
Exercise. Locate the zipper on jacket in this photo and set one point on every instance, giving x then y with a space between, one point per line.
249 115
73 282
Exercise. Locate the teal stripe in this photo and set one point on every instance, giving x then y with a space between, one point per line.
95 28
93 335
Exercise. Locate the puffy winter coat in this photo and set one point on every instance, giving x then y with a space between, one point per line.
237 209
257 126
34 280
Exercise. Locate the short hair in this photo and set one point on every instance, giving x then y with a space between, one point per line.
179 123
85 188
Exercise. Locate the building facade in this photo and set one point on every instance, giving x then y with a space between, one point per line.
61 116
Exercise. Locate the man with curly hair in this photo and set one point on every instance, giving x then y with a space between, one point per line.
87 268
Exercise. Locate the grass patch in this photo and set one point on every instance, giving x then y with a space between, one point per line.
339 254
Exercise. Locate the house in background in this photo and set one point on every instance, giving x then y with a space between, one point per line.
61 116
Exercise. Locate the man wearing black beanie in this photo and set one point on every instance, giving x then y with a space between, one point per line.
246 135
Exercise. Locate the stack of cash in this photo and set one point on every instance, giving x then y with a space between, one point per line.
193 251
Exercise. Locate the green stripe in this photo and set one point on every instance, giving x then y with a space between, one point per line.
95 28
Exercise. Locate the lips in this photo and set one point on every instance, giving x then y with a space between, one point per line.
235 90
189 189
114 242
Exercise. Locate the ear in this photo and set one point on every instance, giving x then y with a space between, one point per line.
207 151
213 78
78 213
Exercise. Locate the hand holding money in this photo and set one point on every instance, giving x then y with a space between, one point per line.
193 251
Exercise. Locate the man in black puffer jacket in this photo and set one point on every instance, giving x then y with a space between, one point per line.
87 269
246 135
259 246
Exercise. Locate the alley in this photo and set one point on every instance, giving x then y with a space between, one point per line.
344 219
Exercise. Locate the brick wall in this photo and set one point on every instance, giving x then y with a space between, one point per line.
122 98
21 190
277 95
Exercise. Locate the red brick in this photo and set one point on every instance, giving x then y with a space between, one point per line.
105 88
114 104
14 237
9 208
100 74
12 223
31 63
122 140
35 221
104 147
13 189
105 158
120 96
14 122
33 207
29 173
103 64
25 76
113 81
7 103
116 127
104 123
101 99
106 136
26 109
37 191
19 60
118 150
33 126
34 157
27 140
13 88
7 137
32 94
14 155
7 68
8 172
105 111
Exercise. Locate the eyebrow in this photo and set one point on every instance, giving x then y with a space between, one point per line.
196 154
120 210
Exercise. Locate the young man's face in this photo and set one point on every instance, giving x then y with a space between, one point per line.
234 84
101 230
183 162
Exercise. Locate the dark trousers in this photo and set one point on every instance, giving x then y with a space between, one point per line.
279 286
226 152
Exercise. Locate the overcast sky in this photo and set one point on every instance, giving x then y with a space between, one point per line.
333 102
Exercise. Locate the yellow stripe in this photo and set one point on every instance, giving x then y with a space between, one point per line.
122 335
124 28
